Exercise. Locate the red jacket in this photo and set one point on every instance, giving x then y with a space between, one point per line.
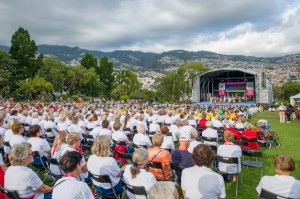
202 122
249 134
236 133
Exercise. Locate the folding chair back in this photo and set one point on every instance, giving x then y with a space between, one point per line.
140 146
178 171
126 156
120 143
10 194
264 194
55 177
104 179
136 190
251 163
209 139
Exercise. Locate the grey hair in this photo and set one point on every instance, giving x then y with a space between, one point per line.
140 128
209 124
163 189
194 133
62 117
19 153
35 114
178 121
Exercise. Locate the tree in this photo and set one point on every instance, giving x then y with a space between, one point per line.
35 87
54 72
7 66
290 89
106 75
23 50
89 61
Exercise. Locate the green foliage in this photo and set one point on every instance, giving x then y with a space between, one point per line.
23 50
35 87
106 75
7 66
128 80
284 92
89 61
172 87
193 69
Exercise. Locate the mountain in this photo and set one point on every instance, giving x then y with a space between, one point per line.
278 69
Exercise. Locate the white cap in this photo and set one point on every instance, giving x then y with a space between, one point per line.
185 136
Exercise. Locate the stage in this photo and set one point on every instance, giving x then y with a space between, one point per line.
248 103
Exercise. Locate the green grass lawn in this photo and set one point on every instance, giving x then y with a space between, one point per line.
289 137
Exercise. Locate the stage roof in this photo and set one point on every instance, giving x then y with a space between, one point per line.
218 72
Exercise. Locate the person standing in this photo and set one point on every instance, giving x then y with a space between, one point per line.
281 111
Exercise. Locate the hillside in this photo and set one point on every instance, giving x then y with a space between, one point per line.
278 69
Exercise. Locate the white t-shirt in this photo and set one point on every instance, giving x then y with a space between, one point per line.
154 127
193 144
2 131
57 154
185 129
71 188
217 124
175 132
168 143
107 132
286 186
95 132
119 136
16 139
23 180
62 126
104 166
202 182
210 133
230 151
77 129
141 139
144 178
40 145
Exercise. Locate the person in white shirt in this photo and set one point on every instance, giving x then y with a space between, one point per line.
75 128
62 125
140 139
9 133
281 112
135 173
194 142
23 116
19 177
217 123
185 127
17 138
50 125
2 129
192 121
105 131
118 135
200 181
175 130
74 142
100 163
230 150
168 140
282 184
38 144
68 187
168 119
29 118
210 133
35 119
154 127
59 145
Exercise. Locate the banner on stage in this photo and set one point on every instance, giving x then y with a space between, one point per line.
249 88
221 88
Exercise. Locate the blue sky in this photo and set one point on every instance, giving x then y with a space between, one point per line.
247 27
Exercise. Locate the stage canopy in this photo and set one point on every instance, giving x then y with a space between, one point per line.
295 98
232 82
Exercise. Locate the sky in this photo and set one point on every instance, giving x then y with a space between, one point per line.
244 27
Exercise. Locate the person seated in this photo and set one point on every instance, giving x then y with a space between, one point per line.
194 142
140 138
164 190
168 140
106 131
174 129
49 124
239 124
74 142
17 138
203 121
38 144
9 133
58 146
19 177
135 173
192 121
168 120
75 128
217 123
68 187
62 124
210 133
120 137
154 127
185 127
236 133
250 134
156 154
100 163
200 181
181 156
230 150
282 184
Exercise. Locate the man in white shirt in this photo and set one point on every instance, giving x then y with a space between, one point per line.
174 129
68 187
281 112
210 133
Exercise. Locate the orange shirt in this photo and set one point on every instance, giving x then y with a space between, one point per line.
158 155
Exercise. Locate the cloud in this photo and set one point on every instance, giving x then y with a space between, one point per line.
260 28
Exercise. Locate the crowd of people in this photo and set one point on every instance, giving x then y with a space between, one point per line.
163 141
